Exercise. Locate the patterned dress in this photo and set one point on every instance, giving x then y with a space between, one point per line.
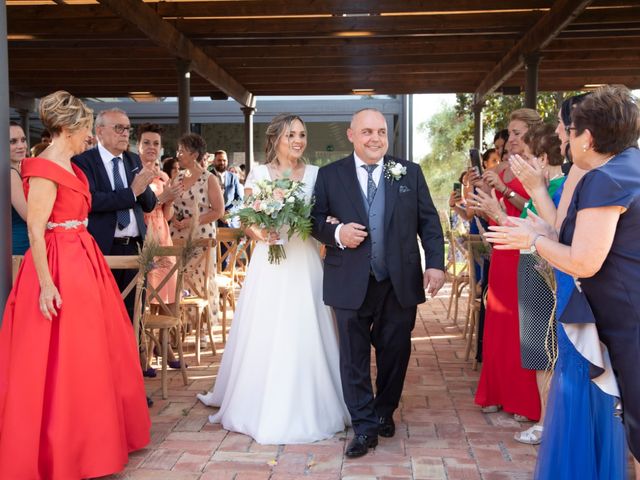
184 207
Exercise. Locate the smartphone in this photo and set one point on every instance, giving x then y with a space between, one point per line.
476 161
457 187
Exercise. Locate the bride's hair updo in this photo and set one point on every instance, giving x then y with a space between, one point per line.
280 125
60 110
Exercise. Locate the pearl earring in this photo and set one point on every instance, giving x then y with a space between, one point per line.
585 147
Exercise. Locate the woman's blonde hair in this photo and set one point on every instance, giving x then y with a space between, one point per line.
526 115
280 125
60 110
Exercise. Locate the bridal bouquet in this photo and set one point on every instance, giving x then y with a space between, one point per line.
274 206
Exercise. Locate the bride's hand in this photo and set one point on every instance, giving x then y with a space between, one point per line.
332 220
271 237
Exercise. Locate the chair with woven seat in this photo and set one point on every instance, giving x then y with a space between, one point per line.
226 264
198 298
166 316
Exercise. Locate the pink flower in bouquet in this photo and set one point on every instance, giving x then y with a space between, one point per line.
257 205
278 194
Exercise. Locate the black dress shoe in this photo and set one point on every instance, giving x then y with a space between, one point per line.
360 445
149 402
386 427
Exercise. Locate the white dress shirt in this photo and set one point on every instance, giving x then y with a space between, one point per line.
363 180
107 157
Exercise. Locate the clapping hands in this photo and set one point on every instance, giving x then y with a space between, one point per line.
142 180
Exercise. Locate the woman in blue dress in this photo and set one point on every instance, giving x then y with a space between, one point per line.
598 246
17 151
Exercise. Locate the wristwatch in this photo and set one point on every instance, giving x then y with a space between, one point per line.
532 248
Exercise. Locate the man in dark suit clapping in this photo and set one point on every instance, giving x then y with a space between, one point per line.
373 276
120 192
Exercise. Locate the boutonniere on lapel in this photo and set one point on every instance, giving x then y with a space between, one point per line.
394 171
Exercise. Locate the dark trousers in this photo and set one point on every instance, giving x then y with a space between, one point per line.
124 277
386 325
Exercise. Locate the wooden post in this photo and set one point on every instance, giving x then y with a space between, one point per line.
248 137
184 95
5 190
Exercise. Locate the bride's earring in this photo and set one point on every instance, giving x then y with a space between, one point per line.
585 147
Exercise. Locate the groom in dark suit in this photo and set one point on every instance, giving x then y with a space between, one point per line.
120 192
373 276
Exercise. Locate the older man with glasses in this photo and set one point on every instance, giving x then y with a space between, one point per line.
120 192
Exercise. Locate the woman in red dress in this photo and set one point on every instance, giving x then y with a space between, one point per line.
72 399
503 381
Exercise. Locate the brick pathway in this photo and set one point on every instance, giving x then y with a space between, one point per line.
441 434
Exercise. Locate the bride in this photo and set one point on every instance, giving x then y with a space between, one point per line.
279 380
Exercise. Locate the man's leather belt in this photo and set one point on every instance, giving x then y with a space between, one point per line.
126 240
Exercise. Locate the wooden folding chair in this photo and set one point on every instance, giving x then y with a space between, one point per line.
16 261
130 262
243 257
475 246
169 315
226 280
198 298
459 276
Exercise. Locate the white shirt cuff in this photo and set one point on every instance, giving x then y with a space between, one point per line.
337 236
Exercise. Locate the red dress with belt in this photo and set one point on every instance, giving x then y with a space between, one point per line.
503 381
72 398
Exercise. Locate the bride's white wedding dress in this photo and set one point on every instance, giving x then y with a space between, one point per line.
279 380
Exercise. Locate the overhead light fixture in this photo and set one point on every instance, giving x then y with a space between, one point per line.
15 37
363 91
594 85
352 15
353 33
143 97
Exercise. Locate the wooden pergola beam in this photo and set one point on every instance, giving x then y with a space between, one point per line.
163 33
562 13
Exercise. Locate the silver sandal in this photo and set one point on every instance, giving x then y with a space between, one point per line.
530 436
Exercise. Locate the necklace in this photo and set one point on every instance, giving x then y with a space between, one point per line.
605 161
556 176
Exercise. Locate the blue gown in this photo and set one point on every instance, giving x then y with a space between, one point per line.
583 438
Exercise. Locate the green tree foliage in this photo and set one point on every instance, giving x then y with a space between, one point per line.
449 151
495 114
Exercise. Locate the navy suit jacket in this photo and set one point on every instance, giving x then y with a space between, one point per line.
232 190
409 214
105 201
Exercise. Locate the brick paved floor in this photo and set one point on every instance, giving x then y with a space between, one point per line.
440 434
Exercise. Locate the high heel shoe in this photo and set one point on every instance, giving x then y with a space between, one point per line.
176 364
206 398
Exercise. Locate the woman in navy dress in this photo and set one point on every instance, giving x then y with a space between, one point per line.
598 243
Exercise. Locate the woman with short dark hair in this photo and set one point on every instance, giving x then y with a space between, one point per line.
598 245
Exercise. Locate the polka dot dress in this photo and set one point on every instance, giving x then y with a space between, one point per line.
538 345
183 208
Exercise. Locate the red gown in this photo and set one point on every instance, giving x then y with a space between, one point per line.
503 381
72 398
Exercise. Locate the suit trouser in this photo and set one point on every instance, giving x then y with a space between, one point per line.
382 322
124 277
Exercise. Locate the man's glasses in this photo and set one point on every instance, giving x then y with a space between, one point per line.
120 129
